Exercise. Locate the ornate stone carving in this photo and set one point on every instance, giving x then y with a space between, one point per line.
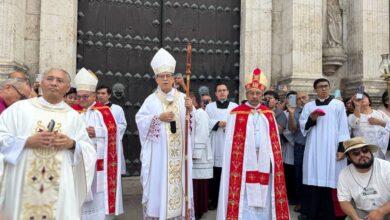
333 51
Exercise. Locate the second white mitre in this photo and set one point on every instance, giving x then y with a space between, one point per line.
85 80
163 62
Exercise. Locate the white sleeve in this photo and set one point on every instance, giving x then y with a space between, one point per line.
148 123
343 192
11 145
343 124
122 123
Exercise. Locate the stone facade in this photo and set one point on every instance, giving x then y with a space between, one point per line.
36 35
293 41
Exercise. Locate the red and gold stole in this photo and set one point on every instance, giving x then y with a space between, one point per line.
237 160
112 154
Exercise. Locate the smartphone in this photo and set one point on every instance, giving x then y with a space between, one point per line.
337 93
292 101
50 126
360 92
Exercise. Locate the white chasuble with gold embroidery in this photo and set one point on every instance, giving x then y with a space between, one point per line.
162 157
44 183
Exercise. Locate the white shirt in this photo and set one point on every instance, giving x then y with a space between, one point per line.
218 137
373 134
378 189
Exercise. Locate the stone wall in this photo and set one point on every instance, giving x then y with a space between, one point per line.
367 37
301 43
36 35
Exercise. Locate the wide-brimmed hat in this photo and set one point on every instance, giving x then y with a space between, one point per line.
358 142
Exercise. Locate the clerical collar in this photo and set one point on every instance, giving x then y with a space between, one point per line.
60 105
326 101
222 104
170 96
254 107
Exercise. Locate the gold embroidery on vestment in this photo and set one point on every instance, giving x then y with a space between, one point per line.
174 159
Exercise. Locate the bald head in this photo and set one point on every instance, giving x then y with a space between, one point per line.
14 89
18 74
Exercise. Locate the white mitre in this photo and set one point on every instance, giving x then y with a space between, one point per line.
162 62
85 80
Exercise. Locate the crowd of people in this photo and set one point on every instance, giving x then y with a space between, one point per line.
61 153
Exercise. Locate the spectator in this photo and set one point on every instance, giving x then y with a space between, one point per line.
271 99
364 185
71 97
364 125
349 106
288 154
12 90
299 146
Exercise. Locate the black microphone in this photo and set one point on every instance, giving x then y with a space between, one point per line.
173 126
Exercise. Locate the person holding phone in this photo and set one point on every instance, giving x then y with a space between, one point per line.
363 123
299 145
324 123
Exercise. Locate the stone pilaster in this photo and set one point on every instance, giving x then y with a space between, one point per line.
301 43
31 43
256 39
12 30
58 35
368 38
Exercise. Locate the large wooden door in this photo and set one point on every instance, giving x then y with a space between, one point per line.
118 38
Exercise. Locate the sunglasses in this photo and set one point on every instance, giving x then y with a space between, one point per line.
356 152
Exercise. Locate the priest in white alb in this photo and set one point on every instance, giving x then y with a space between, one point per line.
161 126
252 181
105 199
49 158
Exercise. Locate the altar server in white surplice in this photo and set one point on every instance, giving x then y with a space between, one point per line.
103 96
218 112
324 122
50 160
161 123
105 199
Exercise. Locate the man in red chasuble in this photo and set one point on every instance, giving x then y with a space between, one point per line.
252 182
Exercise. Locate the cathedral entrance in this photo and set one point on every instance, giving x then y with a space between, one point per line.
117 39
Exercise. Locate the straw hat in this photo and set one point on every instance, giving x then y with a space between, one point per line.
358 142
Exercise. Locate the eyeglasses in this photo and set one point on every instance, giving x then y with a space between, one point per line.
164 76
322 86
83 97
356 152
22 97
